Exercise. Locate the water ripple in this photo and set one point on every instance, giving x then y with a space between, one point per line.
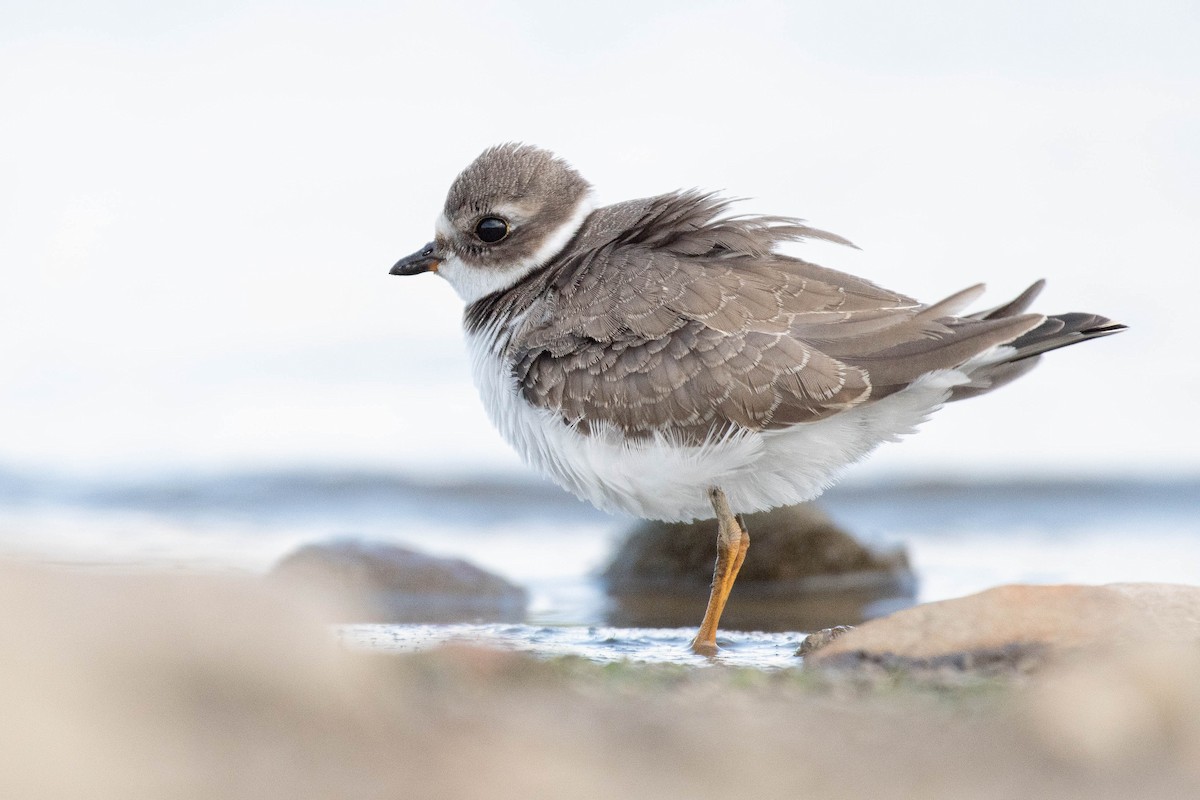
599 644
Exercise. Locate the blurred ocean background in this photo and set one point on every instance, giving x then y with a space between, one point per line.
204 363
962 536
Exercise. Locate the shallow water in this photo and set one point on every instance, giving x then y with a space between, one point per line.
961 538
599 644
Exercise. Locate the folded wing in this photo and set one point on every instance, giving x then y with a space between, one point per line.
664 316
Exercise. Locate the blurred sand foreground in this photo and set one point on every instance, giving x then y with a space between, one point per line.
184 686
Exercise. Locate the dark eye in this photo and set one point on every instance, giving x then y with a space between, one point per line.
491 229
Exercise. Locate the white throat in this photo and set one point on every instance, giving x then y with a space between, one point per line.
472 283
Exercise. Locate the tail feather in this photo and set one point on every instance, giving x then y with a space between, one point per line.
1062 330
1018 305
992 376
1012 360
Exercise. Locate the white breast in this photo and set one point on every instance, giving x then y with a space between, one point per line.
663 479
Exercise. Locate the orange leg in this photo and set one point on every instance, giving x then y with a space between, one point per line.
732 544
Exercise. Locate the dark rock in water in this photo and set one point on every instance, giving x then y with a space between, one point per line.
388 583
802 572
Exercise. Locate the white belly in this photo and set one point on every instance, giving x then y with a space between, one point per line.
661 479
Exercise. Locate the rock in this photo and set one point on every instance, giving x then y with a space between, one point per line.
390 583
815 641
802 572
1020 628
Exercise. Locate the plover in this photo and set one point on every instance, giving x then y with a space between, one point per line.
661 357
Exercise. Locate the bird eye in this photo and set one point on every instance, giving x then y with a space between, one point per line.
491 229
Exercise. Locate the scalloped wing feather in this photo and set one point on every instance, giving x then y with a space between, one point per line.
666 316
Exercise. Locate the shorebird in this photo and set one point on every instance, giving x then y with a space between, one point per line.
660 356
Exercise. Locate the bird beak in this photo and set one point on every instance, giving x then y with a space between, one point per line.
423 260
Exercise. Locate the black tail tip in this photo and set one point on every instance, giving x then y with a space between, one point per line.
1104 330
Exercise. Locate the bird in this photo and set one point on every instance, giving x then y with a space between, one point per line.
661 356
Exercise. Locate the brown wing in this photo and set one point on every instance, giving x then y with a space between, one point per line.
675 320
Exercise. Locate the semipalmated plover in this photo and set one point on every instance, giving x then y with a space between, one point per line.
660 357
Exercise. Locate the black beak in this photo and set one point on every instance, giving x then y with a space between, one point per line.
421 261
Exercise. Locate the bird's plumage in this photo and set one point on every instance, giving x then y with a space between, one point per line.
643 352
680 319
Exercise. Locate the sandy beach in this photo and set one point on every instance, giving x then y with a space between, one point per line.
188 686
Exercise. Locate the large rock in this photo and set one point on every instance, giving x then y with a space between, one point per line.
1020 627
388 583
802 572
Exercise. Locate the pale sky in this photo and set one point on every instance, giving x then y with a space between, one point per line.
200 206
